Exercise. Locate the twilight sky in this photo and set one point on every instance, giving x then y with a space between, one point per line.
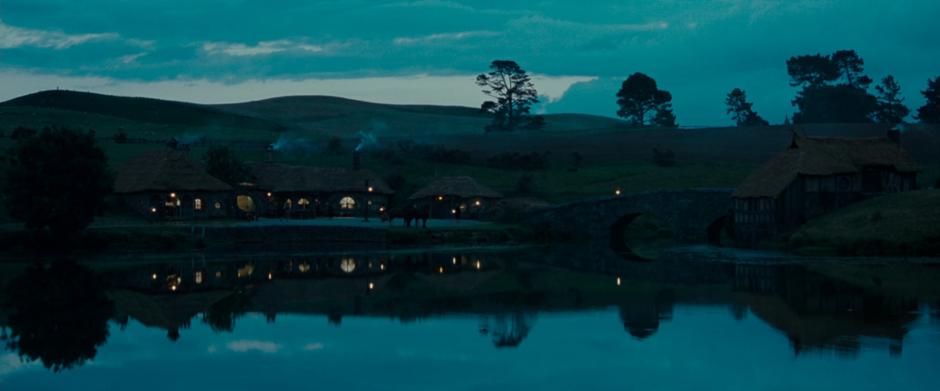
427 51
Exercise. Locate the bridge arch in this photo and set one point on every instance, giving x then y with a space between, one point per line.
693 215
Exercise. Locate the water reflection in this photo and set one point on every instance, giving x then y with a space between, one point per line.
58 314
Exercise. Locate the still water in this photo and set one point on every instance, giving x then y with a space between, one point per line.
554 319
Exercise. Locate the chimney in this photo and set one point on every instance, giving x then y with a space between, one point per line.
270 150
357 160
894 135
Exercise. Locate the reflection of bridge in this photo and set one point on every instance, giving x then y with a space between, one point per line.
694 215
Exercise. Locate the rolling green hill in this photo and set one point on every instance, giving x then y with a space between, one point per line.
144 110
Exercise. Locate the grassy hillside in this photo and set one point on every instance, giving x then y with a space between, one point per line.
141 110
345 117
903 223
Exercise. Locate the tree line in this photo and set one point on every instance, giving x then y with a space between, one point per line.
833 88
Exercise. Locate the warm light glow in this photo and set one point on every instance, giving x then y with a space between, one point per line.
218 274
440 198
270 276
479 265
440 269
347 203
218 205
197 204
172 195
245 271
381 209
303 267
153 276
347 265
454 260
199 277
617 192
370 189
173 288
269 194
381 266
477 203
153 210
453 211
371 285
618 280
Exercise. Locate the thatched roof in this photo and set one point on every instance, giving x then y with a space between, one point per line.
165 170
455 186
823 156
303 179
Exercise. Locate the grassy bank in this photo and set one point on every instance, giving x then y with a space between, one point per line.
895 224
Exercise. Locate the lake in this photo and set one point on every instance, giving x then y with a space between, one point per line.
538 318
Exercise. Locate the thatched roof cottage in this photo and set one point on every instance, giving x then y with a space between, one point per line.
816 175
287 190
455 196
167 184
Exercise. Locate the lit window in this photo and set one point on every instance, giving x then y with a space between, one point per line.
347 265
199 277
197 204
303 202
288 204
347 203
218 205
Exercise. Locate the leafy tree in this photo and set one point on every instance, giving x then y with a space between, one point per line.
639 96
513 91
891 108
58 315
811 70
835 104
57 180
664 117
741 110
224 165
851 68
821 98
930 111
20 133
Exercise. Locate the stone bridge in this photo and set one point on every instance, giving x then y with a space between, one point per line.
694 215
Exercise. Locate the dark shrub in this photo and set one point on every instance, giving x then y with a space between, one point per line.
120 137
21 133
664 157
518 161
525 184
334 145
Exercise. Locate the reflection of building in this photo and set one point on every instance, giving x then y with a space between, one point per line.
642 315
508 330
459 196
301 191
818 312
167 185
814 176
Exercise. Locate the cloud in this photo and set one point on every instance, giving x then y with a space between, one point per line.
12 37
313 346
246 345
10 363
264 48
529 22
443 37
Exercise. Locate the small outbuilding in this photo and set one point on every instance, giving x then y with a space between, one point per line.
305 192
817 175
166 184
455 197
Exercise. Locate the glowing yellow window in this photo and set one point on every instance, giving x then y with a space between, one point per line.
197 204
347 203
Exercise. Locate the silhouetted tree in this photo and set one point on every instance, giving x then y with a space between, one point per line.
741 110
513 91
58 315
822 101
835 104
222 163
664 117
57 180
120 137
811 71
851 68
891 108
334 145
639 96
930 112
20 133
